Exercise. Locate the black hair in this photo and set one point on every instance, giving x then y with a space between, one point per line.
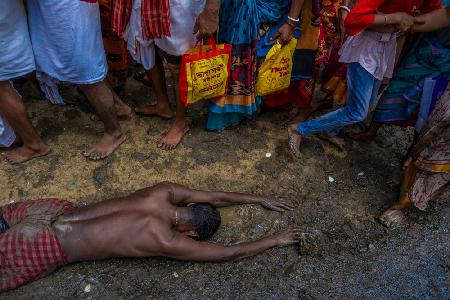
205 218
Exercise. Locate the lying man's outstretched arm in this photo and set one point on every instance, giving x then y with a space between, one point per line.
182 194
184 248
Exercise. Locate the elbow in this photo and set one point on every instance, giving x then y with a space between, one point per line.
165 184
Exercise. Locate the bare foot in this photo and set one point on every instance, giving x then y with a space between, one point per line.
163 111
26 153
392 217
365 136
105 147
173 138
337 141
294 140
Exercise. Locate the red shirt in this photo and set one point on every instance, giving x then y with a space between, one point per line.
363 14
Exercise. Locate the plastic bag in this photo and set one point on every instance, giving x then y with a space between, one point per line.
275 72
204 72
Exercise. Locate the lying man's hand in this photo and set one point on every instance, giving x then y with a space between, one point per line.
287 237
279 205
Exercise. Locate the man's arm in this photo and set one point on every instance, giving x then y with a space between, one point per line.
184 248
207 21
434 20
182 194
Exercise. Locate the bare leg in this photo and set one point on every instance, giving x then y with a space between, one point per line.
408 159
395 214
302 115
14 112
368 135
33 86
122 109
158 83
101 98
305 114
179 127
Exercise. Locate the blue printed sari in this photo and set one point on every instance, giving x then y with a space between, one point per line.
240 24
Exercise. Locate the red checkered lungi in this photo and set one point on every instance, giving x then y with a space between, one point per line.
30 248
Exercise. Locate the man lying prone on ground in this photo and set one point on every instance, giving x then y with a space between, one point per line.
38 236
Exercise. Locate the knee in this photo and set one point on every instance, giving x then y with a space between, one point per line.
356 117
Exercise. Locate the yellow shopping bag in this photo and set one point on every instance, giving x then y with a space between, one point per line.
275 72
204 72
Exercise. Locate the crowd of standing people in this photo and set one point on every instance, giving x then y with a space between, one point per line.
390 57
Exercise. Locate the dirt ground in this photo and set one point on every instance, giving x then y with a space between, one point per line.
345 252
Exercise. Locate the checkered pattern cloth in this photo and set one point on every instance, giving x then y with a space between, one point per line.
30 248
155 18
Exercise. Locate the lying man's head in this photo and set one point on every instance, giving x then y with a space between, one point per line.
205 220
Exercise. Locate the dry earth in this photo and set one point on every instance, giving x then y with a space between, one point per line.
345 252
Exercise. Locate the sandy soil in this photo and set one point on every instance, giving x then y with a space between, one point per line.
345 251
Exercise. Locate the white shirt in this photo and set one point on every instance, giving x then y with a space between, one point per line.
374 51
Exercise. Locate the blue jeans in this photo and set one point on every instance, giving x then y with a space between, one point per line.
363 91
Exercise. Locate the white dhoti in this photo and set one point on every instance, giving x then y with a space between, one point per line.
67 40
183 14
16 54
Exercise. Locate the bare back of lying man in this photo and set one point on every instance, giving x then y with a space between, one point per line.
170 220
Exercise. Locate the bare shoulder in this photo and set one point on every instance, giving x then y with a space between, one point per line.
162 191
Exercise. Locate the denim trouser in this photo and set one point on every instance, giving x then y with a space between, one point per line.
363 91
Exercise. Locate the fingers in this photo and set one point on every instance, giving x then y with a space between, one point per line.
288 204
278 209
276 36
285 205
290 237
